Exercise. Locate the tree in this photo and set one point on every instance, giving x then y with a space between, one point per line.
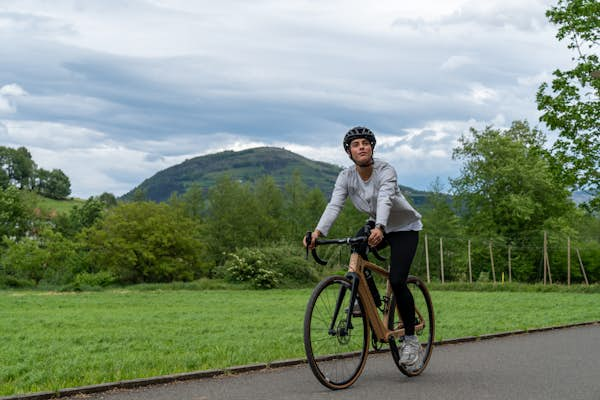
15 213
507 190
16 166
571 105
441 221
146 242
108 199
506 185
54 184
234 219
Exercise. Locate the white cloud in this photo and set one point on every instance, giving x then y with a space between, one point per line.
8 95
455 62
144 84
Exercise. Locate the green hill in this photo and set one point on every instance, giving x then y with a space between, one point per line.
247 166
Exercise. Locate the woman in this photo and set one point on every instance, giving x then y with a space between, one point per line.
372 186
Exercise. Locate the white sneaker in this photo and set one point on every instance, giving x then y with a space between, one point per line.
409 350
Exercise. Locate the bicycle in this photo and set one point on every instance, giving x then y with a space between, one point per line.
337 336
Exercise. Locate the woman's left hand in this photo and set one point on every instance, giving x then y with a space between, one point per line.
376 237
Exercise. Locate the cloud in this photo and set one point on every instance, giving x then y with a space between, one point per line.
138 86
8 95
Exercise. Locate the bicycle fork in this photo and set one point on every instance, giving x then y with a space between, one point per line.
344 330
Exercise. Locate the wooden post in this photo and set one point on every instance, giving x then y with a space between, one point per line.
545 255
547 258
427 259
492 261
568 261
509 266
582 269
470 271
442 259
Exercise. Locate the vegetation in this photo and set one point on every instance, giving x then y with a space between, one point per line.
571 104
106 336
247 166
18 168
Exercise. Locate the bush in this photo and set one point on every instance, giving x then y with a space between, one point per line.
47 257
250 265
97 279
146 242
267 267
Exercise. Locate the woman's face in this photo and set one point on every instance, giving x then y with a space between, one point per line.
361 151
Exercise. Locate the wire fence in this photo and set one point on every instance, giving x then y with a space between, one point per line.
462 259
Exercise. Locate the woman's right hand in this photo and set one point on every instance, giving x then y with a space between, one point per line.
313 237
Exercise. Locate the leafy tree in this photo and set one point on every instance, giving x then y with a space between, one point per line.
234 218
47 256
54 184
269 201
506 185
15 213
17 167
295 210
441 221
571 105
108 199
80 217
146 242
507 190
193 201
139 195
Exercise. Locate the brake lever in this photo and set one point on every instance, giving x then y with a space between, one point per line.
308 241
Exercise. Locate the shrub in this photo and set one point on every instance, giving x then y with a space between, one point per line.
47 257
146 242
250 265
267 267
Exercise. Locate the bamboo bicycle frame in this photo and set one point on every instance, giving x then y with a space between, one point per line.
379 325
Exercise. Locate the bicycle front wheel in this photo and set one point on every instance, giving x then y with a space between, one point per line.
424 326
336 355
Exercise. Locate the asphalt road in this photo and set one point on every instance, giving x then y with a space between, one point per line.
561 364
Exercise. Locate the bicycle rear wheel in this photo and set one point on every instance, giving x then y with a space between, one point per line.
336 356
424 326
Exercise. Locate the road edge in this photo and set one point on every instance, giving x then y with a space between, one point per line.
157 380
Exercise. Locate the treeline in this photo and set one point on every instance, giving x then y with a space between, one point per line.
507 194
17 168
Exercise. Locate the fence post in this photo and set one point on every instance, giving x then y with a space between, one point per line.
509 266
545 255
427 259
442 259
582 269
568 261
470 271
492 260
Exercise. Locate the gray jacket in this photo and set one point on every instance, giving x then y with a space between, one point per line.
387 206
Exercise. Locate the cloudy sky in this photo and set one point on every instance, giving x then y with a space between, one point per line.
112 91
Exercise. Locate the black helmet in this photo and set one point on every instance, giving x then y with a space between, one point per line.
356 133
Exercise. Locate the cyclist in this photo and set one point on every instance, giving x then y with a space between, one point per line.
372 187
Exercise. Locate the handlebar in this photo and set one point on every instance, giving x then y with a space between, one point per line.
349 241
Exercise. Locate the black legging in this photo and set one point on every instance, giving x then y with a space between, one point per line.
403 246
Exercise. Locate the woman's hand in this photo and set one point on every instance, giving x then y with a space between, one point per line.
375 237
314 236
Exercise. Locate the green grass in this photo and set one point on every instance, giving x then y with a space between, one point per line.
59 206
56 340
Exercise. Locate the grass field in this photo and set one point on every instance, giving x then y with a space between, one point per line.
56 340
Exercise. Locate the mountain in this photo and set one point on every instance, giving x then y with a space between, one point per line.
247 166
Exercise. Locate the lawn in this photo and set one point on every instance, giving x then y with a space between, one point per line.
56 340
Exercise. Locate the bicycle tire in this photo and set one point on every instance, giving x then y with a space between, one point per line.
426 334
335 359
